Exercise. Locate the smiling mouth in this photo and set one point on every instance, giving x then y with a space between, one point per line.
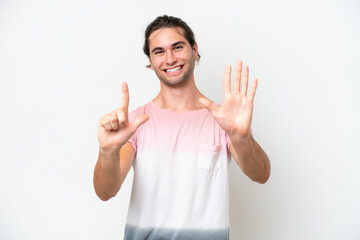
174 69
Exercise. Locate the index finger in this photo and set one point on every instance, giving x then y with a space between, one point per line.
125 99
125 96
227 80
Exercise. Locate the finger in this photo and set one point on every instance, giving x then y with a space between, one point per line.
122 119
209 105
237 77
253 89
138 121
114 120
114 123
244 81
125 98
227 80
105 123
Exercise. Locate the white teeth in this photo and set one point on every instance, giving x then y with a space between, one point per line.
173 69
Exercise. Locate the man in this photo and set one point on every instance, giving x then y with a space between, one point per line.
180 144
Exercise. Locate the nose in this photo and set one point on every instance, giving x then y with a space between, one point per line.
170 58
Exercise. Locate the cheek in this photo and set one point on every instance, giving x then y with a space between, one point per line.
156 62
184 55
154 65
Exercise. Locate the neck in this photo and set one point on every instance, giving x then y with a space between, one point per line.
179 99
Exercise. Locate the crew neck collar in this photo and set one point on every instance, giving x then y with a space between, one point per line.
177 113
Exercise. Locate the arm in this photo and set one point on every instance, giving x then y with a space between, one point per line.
234 116
110 172
251 158
115 153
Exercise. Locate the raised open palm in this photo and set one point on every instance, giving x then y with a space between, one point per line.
235 113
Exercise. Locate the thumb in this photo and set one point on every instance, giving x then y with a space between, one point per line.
138 121
209 105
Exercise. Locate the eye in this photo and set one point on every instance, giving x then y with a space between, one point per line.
158 52
178 47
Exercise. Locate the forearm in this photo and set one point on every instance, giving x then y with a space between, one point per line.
251 158
107 174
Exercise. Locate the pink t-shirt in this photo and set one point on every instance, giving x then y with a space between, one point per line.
180 183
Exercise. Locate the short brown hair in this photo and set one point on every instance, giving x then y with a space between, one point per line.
168 22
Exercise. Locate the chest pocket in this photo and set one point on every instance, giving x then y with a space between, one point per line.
209 157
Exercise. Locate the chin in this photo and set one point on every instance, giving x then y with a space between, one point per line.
174 82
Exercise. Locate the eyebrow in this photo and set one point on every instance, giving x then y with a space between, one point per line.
173 45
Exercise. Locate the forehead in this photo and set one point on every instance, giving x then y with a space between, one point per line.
165 37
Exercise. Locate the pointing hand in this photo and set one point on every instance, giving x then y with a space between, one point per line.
114 129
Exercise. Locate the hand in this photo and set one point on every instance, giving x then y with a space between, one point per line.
114 129
235 113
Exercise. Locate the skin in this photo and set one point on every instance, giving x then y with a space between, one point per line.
178 93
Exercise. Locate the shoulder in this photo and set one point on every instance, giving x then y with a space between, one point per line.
138 111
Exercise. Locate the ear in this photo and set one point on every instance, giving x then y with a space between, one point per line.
195 51
151 66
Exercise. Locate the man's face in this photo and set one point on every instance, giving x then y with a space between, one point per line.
171 56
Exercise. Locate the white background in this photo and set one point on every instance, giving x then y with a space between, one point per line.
61 68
